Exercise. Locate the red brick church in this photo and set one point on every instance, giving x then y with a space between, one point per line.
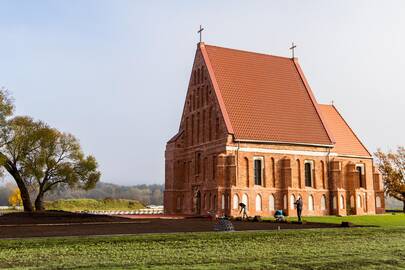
252 131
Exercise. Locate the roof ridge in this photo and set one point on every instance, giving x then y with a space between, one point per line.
245 51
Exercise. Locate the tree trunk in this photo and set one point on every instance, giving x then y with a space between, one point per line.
39 201
25 195
403 209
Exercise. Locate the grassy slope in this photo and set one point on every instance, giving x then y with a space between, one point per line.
348 248
91 204
355 248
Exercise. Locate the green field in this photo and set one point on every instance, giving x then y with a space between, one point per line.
92 204
386 220
341 248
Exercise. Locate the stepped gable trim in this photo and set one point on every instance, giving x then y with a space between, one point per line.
214 82
314 102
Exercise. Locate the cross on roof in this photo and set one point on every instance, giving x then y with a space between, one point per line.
293 46
200 32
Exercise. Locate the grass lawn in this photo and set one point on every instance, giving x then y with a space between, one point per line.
386 220
340 248
92 204
346 248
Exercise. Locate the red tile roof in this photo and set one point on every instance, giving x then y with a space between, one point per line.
264 97
346 141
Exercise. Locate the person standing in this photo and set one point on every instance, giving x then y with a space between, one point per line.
298 203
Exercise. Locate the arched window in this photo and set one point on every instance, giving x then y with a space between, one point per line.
258 203
245 200
323 202
358 205
292 201
247 170
342 202
235 201
310 203
365 202
285 201
271 203
214 202
334 202
209 202
223 201
377 201
205 202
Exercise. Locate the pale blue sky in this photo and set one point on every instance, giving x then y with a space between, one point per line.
114 73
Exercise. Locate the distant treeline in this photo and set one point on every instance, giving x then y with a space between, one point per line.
146 194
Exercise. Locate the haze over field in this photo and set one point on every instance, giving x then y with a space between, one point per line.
115 73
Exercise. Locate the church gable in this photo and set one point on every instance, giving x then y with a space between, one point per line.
202 119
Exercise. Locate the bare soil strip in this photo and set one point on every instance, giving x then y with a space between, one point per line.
23 225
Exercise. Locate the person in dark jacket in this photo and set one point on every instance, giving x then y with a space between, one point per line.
298 203
243 210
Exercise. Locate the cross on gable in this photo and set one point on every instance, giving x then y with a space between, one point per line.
200 32
293 46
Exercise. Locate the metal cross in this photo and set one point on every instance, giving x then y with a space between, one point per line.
293 46
200 32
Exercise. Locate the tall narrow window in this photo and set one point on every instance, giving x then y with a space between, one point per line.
187 136
258 203
271 203
273 168
192 130
198 75
308 173
197 97
311 203
203 126
299 173
258 168
198 163
323 202
205 169
206 95
247 170
210 124
360 173
214 167
202 74
217 128
195 77
198 128
323 174
235 201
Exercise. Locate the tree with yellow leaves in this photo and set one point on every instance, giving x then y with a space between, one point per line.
15 198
